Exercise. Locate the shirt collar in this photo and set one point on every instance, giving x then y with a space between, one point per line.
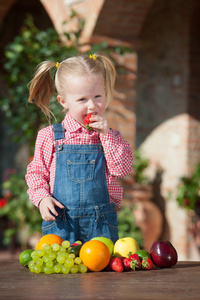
71 124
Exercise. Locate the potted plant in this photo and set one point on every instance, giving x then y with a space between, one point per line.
23 217
140 164
188 197
127 226
188 192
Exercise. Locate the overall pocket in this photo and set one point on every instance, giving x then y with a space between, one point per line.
48 227
81 172
109 225
110 219
52 226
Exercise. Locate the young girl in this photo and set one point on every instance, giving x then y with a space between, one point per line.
72 178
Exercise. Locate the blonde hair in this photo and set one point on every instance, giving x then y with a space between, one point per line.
42 85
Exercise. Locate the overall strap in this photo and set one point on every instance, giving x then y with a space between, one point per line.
58 131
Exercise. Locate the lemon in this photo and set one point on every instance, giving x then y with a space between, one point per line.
25 257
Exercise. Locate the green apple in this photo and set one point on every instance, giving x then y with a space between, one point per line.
106 241
125 247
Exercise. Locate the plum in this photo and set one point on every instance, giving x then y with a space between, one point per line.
163 254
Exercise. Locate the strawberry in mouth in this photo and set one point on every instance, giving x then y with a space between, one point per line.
87 122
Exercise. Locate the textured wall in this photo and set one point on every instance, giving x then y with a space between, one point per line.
168 103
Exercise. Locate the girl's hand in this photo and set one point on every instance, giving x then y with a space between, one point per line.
46 206
99 124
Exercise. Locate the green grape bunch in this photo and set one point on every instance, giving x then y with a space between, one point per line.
56 259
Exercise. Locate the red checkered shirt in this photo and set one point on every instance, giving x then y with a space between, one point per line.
41 171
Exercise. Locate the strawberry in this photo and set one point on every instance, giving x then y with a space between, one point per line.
74 244
127 264
147 264
87 122
116 264
135 262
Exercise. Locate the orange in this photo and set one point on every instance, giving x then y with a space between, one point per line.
48 239
95 255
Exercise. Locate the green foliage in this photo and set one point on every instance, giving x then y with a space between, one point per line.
127 227
140 164
22 55
21 212
188 192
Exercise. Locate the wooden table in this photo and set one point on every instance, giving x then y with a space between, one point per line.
179 282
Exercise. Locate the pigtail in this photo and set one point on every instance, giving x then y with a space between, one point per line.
41 88
108 70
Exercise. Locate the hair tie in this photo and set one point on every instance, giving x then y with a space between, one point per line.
57 65
92 56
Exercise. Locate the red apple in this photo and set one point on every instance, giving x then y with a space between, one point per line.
163 254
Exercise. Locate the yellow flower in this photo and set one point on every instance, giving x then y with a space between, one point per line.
92 56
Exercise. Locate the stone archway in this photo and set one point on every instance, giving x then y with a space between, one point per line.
60 11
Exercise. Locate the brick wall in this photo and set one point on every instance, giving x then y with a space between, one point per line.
168 106
122 20
194 89
121 111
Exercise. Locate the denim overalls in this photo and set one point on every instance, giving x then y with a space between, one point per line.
80 185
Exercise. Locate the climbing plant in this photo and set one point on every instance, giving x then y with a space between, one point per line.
22 55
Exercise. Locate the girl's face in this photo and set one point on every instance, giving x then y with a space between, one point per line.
84 95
